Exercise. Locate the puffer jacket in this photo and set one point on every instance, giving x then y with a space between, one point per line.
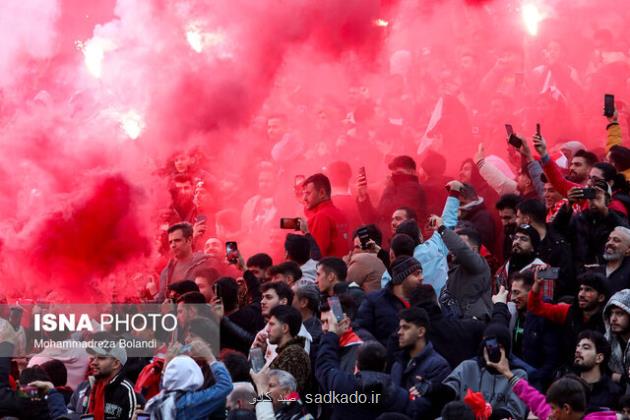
620 355
379 313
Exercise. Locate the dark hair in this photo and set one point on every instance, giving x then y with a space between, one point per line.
589 157
624 401
262 261
599 341
423 296
183 286
319 181
372 356
192 298
620 157
185 227
568 390
457 410
411 213
228 289
508 201
415 315
32 374
281 288
237 365
298 248
472 235
288 315
527 277
286 268
334 265
207 273
402 244
373 231
57 372
607 169
533 208
181 178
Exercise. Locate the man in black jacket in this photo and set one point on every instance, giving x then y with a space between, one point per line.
111 394
370 382
553 248
474 211
402 190
457 339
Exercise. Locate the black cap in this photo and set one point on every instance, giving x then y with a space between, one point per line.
533 234
404 162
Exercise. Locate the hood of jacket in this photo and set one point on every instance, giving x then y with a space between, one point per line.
621 300
182 374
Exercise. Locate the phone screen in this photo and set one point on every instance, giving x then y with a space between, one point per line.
289 223
335 307
538 129
231 252
609 105
256 359
509 129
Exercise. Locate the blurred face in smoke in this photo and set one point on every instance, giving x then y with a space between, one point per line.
579 169
182 163
523 183
552 53
265 184
551 196
184 193
465 173
312 196
276 128
212 247
181 247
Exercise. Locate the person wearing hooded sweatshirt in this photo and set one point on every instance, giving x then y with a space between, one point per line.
476 375
565 399
378 312
369 380
181 396
617 321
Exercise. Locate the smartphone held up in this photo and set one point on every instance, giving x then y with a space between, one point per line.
231 252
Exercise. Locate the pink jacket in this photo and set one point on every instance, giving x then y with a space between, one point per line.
537 403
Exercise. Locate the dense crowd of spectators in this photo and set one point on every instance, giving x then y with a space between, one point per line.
500 292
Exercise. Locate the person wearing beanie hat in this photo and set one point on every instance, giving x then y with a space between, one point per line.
366 271
524 250
585 313
477 375
379 310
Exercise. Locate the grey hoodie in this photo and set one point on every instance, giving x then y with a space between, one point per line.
620 355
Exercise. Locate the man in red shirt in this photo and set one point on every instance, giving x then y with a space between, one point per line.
326 223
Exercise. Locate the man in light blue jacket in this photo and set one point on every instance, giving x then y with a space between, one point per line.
432 253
